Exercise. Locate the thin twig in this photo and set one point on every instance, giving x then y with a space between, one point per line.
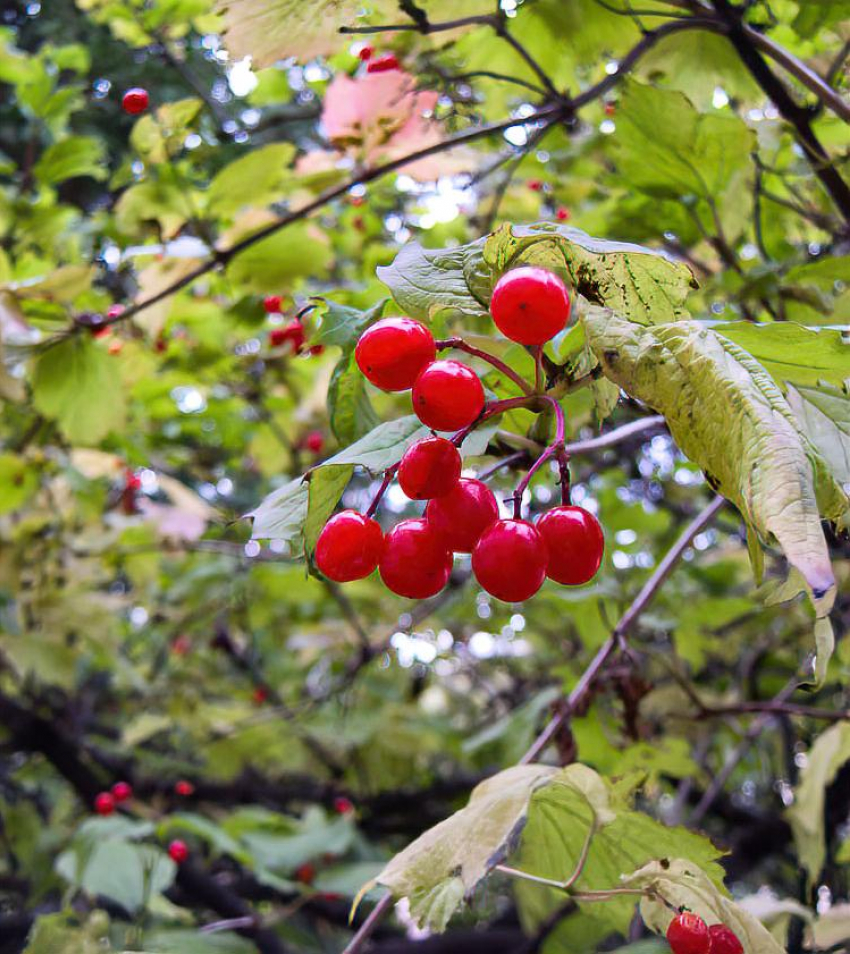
377 914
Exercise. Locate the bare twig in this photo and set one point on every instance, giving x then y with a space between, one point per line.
622 629
378 913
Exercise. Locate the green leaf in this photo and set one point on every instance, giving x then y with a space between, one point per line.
78 384
299 251
325 489
791 353
446 863
74 156
725 412
162 134
256 179
816 16
162 201
680 883
341 325
189 941
826 757
640 282
126 873
351 413
18 480
62 933
668 149
824 416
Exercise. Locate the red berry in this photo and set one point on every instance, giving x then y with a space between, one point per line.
104 804
575 543
723 940
272 304
343 805
393 351
349 547
260 695
509 560
688 934
535 185
382 64
115 311
316 350
610 109
447 395
181 645
135 101
530 305
292 334
184 788
178 851
430 468
115 347
562 214
463 514
365 53
122 791
314 442
415 562
305 873
278 337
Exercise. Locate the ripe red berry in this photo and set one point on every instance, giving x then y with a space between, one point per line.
343 805
610 109
575 542
463 514
135 101
509 560
104 803
305 873
382 64
429 468
349 547
723 940
292 334
530 305
365 53
181 644
272 304
259 695
178 851
688 934
415 562
122 791
535 185
393 351
447 395
562 214
278 337
314 442
184 788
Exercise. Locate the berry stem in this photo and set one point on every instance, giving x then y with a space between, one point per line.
555 449
538 368
388 479
460 345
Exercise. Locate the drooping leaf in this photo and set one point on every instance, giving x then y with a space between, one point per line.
727 415
829 753
824 416
679 883
78 384
445 864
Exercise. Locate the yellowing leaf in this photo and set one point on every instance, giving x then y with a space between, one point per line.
679 883
727 415
829 753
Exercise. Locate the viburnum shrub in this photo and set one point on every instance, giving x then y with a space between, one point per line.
511 557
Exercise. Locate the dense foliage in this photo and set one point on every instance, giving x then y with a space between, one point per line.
207 747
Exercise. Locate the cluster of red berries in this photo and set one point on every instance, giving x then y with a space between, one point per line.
510 557
106 802
293 334
689 934
378 64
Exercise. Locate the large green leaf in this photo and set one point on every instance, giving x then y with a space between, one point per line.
644 284
727 415
78 384
791 353
74 156
668 149
829 753
256 179
679 883
299 251
342 325
351 413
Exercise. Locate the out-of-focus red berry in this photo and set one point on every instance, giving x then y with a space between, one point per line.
122 791
183 788
104 803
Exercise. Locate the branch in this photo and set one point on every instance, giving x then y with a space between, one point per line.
379 912
622 629
617 436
